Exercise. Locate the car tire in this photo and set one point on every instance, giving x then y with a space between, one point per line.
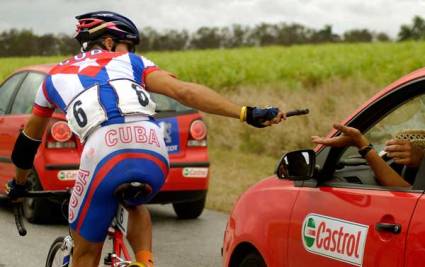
190 209
252 260
37 210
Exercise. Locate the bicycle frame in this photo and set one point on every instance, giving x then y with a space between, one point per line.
116 232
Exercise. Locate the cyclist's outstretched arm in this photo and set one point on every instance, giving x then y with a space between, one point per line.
191 94
34 130
195 95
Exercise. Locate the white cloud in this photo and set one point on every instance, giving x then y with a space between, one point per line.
46 16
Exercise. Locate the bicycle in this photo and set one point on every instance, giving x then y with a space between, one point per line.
60 252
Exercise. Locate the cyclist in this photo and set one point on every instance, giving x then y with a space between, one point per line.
104 92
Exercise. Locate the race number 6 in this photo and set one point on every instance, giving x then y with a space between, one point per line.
79 114
143 98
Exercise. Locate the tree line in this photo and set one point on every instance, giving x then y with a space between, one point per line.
25 43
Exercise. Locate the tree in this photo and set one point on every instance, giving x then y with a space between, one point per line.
358 36
324 35
416 31
382 37
205 38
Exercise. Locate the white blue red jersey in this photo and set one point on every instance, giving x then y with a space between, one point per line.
72 76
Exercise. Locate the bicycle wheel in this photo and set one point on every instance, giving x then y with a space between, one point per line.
58 253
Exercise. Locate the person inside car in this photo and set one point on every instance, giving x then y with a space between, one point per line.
403 152
104 90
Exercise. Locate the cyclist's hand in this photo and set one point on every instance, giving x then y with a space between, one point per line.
262 117
15 191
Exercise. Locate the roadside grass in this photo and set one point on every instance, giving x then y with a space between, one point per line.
332 80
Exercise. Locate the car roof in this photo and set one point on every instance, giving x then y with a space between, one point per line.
45 68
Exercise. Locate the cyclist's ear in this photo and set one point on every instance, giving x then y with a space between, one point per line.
108 43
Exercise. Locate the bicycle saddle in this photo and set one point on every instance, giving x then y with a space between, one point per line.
131 194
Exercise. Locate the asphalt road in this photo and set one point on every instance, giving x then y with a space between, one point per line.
177 243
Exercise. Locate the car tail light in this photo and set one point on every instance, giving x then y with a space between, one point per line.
198 134
60 136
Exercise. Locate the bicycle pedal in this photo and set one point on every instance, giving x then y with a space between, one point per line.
108 259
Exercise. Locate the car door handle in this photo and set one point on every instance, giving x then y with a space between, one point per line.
388 227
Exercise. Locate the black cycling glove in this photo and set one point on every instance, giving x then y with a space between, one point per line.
257 116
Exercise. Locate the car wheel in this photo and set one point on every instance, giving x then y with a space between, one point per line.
37 210
252 260
190 209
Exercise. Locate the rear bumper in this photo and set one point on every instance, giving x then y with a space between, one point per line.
184 180
165 197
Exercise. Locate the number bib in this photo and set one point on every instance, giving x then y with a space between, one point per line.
133 98
85 112
122 219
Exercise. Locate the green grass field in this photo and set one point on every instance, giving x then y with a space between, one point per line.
331 80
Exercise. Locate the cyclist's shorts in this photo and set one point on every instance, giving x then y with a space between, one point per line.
113 155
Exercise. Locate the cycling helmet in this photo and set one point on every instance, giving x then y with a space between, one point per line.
93 26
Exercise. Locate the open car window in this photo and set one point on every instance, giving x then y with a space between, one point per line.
407 118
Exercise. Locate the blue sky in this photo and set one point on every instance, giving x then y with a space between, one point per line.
57 16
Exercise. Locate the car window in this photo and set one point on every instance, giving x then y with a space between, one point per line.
25 97
164 103
407 118
7 89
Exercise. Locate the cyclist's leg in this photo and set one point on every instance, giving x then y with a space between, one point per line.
85 253
106 166
140 233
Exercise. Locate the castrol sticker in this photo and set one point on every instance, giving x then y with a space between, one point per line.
334 238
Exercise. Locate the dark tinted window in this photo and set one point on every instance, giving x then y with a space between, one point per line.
7 89
164 103
25 98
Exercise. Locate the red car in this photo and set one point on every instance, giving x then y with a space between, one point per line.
325 207
57 161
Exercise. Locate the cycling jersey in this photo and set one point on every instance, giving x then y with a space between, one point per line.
89 88
107 106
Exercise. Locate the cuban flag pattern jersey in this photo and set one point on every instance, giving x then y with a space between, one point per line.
106 104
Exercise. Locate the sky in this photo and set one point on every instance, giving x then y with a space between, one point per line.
57 16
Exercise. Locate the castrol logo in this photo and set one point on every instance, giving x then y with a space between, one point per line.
334 238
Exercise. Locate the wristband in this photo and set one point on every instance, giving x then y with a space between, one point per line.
24 151
242 115
365 150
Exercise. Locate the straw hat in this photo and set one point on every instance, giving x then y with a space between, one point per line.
415 136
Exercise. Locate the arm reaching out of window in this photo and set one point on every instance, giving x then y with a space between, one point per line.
353 137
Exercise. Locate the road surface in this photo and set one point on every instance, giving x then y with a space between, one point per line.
177 243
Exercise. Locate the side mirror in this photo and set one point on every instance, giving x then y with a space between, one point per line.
297 165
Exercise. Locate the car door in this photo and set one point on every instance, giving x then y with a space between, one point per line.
14 120
345 217
7 93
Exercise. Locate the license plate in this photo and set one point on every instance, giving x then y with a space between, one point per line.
195 172
67 175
